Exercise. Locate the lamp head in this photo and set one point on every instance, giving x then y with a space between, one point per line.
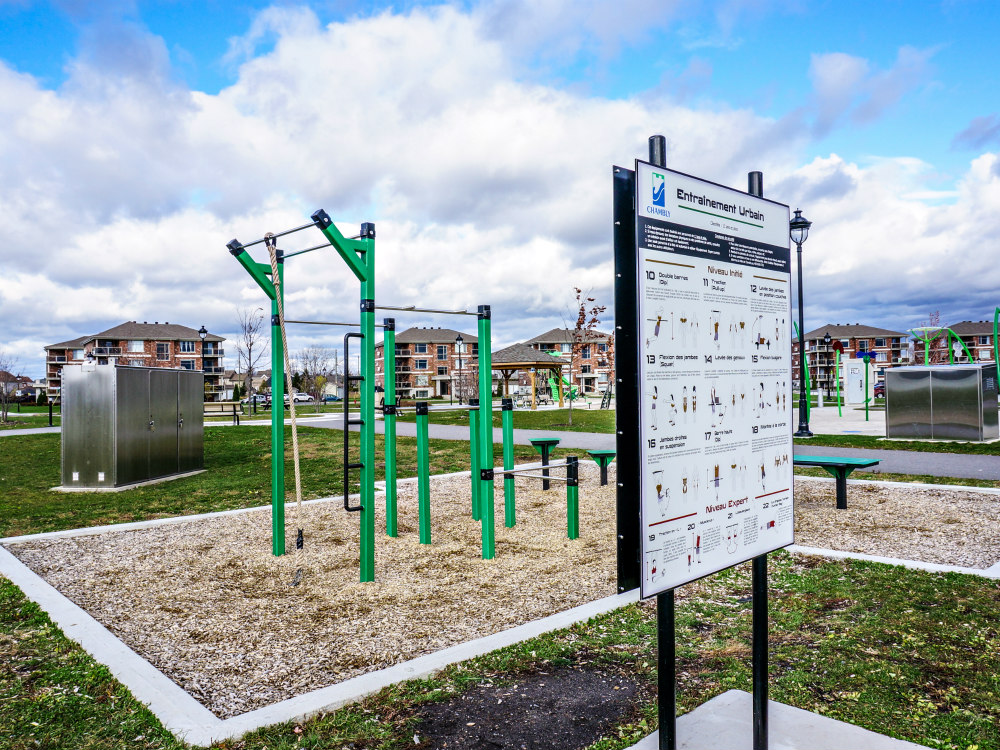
798 227
202 333
826 338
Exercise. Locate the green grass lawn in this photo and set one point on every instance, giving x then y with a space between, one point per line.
926 446
238 476
584 420
905 653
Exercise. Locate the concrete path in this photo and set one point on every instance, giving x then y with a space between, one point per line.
915 462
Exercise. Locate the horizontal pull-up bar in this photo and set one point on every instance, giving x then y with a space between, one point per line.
521 473
328 323
411 308
275 235
307 250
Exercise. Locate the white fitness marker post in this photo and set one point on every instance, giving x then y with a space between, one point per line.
709 253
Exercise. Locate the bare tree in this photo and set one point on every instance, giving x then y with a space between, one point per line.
9 382
587 319
315 366
251 344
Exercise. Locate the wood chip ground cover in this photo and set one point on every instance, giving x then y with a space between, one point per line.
208 604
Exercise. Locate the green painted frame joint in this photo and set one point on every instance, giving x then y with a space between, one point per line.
389 417
507 422
486 433
572 497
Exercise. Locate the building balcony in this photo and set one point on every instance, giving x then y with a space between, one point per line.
107 351
210 352
213 370
56 358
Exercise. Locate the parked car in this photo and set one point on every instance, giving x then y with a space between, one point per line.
880 390
331 399
300 398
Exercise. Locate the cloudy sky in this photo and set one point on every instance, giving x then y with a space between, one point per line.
137 138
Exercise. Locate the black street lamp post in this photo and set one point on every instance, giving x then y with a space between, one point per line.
798 230
458 348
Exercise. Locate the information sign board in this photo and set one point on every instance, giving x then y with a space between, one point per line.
715 399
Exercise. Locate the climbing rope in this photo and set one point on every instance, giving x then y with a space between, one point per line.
270 241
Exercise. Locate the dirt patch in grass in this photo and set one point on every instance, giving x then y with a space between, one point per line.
566 708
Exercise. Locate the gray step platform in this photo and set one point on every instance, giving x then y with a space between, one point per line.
726 723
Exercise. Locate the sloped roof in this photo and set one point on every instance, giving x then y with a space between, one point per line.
522 354
433 336
71 344
565 336
149 331
973 327
851 331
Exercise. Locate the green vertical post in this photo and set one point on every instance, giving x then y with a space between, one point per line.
278 420
423 475
367 541
486 433
474 455
389 414
807 385
507 420
866 360
260 272
572 497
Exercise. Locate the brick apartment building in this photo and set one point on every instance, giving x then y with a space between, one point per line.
976 335
430 363
143 345
591 367
891 349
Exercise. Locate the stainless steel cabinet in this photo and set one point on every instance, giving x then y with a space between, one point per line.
122 425
944 402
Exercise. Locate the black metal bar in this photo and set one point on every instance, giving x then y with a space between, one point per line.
307 250
841 489
50 413
626 369
327 323
275 235
545 462
604 472
347 420
760 652
666 670
411 308
755 187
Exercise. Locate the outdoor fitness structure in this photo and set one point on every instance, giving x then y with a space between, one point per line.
359 255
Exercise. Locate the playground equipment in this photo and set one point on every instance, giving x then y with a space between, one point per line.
927 334
358 253
572 480
572 393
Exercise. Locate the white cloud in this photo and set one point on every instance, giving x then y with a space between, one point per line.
123 189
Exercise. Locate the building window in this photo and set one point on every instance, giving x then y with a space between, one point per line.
136 362
187 347
862 345
187 364
421 394
442 370
846 343
565 348
77 354
602 348
420 364
879 342
162 351
585 352
420 348
585 370
136 347
442 351
984 340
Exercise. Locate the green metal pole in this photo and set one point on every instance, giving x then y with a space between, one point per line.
572 497
996 345
808 383
836 375
423 475
507 420
278 421
947 343
389 412
367 541
474 455
486 433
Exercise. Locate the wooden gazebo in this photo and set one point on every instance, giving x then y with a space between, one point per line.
522 357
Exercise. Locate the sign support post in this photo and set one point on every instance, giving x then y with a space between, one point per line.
702 297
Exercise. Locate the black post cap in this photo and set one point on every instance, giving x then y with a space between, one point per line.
474 402
506 404
389 324
235 247
484 312
368 230
321 218
421 408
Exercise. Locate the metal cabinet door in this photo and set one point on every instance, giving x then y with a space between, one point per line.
131 425
191 414
162 422
956 398
88 422
908 403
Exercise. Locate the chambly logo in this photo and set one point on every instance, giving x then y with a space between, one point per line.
659 190
658 207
